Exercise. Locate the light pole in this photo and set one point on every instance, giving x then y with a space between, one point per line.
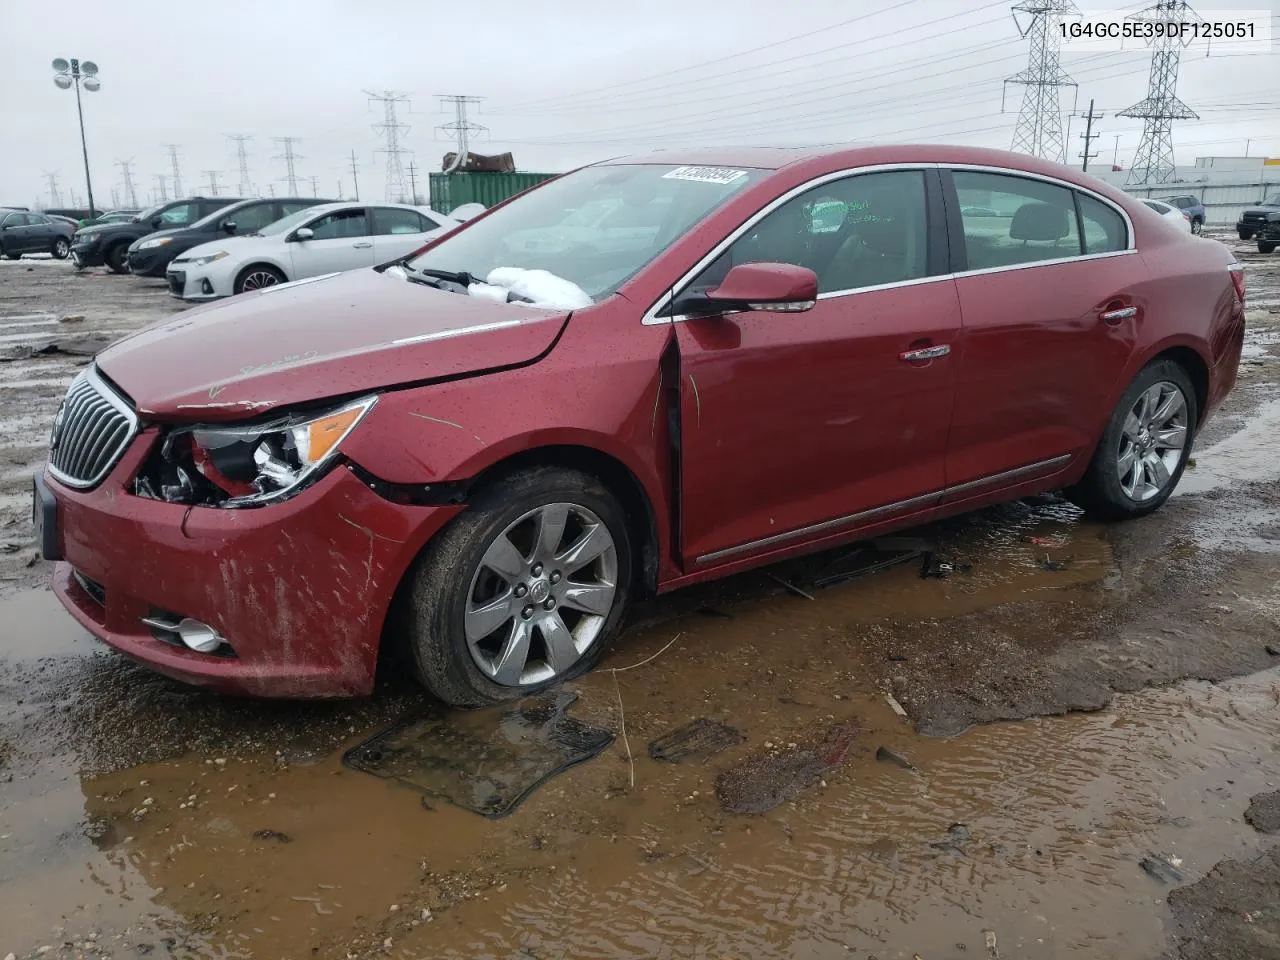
72 73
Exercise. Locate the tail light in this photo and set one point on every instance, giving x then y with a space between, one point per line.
1237 278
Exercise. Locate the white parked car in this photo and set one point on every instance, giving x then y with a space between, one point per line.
1170 213
323 239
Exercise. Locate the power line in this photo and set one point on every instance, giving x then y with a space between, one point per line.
1153 161
55 198
242 161
161 192
1089 136
733 56
177 170
290 159
315 185
392 129
413 183
355 178
126 175
1039 128
213 176
697 95
461 127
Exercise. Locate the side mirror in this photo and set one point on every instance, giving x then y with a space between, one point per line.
303 233
156 222
782 287
229 226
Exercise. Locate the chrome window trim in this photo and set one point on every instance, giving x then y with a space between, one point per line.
862 516
104 390
650 317
1131 246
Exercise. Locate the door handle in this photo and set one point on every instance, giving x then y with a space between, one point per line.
925 353
1118 314
362 245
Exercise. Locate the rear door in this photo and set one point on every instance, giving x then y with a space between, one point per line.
1051 292
342 240
794 425
41 233
398 232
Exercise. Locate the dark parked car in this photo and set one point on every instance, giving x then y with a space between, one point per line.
34 233
108 243
480 465
1191 208
1262 221
150 255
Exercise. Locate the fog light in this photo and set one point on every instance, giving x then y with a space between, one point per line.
206 287
200 637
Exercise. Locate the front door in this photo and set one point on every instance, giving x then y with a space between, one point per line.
1049 325
794 425
342 240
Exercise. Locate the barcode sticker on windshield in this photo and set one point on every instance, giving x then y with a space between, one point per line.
705 174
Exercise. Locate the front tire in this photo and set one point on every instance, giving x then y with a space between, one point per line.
61 249
1144 448
1197 225
117 258
1245 234
1266 246
259 276
522 591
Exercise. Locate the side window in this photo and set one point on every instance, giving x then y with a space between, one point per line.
390 220
1104 229
862 231
287 208
1010 220
16 220
344 223
251 219
35 220
180 216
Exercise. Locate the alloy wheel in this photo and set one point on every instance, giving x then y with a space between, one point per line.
260 279
60 249
1152 441
541 595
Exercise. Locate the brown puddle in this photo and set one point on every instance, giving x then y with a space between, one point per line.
211 855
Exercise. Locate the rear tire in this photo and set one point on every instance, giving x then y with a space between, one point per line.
61 249
259 276
1144 447
1266 246
117 258
1197 225
478 636
1245 234
12 256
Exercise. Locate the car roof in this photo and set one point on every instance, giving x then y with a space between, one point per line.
829 158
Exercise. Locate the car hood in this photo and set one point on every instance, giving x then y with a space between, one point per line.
329 336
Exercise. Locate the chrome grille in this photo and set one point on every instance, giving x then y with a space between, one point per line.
90 432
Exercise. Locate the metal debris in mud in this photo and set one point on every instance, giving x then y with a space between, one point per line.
699 740
486 761
767 781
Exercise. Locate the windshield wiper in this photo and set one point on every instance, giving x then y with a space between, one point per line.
452 276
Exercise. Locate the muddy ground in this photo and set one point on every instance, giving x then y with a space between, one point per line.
1089 712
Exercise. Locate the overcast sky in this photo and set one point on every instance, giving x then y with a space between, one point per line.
563 81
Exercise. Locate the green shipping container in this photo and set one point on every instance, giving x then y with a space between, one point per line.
451 190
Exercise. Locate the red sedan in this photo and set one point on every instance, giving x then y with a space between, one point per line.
640 375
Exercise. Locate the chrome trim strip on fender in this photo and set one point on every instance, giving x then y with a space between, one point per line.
864 516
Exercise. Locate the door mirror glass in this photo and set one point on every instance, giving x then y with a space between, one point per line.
156 221
784 287
303 233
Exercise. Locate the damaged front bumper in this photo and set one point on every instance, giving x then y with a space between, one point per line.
300 589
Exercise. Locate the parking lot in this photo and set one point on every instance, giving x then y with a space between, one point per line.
1046 749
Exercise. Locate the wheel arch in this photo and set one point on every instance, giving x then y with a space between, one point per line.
260 262
617 477
1197 369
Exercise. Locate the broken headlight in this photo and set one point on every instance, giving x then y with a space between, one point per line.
243 466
